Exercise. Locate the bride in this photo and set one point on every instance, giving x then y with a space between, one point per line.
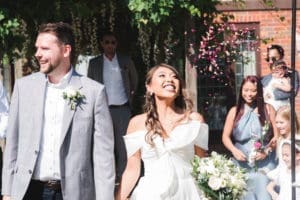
165 137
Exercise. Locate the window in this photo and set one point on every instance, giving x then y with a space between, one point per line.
217 93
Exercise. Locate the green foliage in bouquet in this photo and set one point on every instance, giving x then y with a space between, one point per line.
219 178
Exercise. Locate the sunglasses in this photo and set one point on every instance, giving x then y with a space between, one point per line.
277 68
272 59
110 42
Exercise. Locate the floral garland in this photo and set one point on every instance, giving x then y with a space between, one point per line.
112 5
76 25
168 45
218 48
103 14
144 41
156 49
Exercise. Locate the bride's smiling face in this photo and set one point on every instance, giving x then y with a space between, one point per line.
164 83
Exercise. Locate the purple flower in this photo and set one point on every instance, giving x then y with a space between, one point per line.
257 145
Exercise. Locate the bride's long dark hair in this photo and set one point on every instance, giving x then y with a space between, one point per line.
182 102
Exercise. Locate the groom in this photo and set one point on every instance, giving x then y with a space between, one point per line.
60 136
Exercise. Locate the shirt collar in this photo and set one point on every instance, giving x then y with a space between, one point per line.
113 59
63 82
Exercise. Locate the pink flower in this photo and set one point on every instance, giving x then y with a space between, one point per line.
257 145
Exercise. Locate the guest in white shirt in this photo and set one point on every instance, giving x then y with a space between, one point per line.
118 74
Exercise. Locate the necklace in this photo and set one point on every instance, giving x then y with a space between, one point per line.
169 125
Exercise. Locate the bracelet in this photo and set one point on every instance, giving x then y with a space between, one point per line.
267 151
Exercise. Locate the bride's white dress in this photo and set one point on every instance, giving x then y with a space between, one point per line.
167 174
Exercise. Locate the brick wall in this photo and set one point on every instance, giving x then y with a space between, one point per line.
271 26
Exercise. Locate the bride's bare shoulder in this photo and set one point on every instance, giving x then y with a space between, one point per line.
137 123
196 116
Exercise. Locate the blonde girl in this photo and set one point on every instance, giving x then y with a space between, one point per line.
283 124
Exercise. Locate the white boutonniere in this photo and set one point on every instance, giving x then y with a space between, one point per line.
74 97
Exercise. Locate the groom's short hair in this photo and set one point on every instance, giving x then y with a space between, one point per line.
64 33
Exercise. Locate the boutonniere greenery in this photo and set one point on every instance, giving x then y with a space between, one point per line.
73 96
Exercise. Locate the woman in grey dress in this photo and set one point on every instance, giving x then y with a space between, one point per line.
243 127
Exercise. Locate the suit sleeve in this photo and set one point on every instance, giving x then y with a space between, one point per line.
103 151
11 148
90 72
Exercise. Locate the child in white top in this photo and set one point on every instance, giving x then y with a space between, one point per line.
279 81
283 180
283 124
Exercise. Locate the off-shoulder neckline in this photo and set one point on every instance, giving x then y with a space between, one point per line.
169 134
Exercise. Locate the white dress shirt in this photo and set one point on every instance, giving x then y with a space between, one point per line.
113 82
48 163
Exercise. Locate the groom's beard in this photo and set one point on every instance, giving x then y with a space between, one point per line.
47 69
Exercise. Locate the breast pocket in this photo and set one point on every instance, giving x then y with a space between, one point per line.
82 123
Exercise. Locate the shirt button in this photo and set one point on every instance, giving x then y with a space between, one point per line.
36 152
30 171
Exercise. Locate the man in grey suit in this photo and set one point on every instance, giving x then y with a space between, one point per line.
117 72
60 134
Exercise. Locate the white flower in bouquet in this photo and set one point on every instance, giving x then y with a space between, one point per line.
251 157
215 183
218 177
258 144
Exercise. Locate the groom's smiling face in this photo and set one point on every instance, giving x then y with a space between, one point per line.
49 52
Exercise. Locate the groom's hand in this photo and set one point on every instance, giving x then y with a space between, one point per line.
6 198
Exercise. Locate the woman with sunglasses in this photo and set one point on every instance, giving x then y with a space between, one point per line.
274 54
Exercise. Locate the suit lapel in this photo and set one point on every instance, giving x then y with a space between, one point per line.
100 69
122 67
68 115
38 103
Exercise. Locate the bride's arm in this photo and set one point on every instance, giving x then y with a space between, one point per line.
130 176
227 136
133 167
198 150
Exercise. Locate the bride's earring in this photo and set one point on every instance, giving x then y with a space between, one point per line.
150 93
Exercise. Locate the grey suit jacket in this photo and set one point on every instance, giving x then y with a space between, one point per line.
128 72
86 145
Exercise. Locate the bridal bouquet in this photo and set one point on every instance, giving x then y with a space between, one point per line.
258 143
218 177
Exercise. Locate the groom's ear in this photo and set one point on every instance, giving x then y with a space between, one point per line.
67 50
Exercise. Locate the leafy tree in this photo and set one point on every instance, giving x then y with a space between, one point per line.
9 37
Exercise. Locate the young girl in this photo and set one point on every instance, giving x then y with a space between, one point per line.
283 124
278 82
283 180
